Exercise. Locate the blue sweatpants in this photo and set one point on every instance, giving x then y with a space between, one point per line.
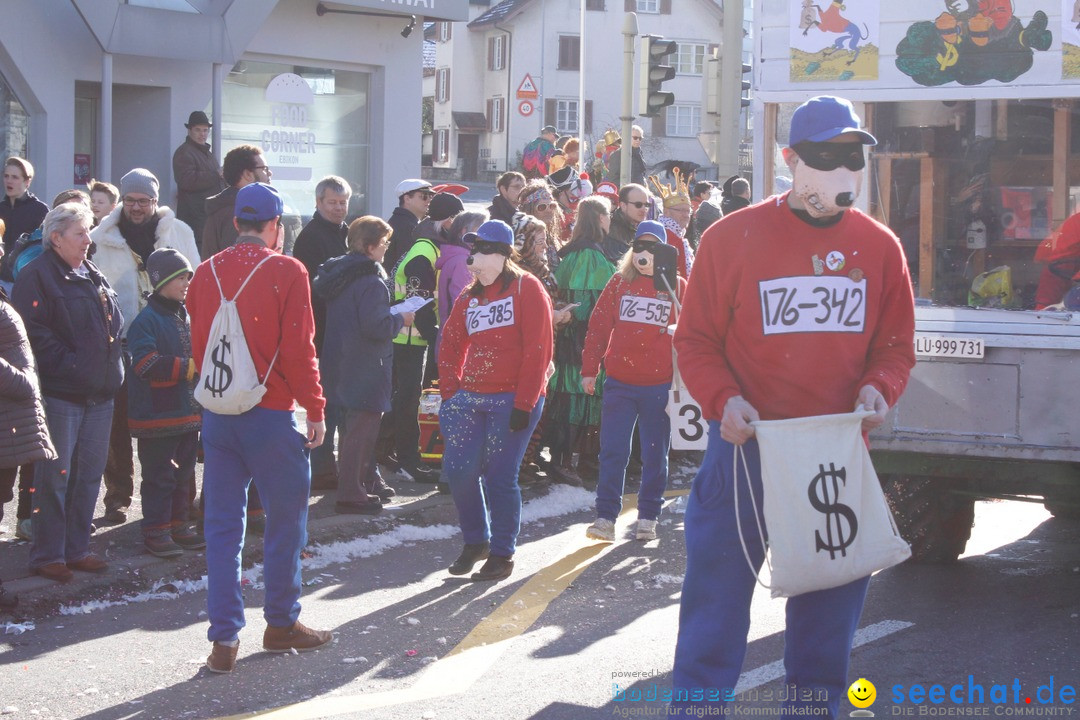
263 446
624 405
714 615
481 460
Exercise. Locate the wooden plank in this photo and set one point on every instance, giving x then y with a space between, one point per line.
881 207
1060 206
926 227
768 164
1001 120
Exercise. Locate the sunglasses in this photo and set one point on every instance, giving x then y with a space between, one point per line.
827 156
643 245
541 207
637 203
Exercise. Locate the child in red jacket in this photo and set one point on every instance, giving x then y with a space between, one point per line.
629 331
493 362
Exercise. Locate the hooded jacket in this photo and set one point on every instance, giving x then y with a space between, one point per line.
357 355
123 267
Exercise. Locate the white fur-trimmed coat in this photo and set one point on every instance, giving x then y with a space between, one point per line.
123 267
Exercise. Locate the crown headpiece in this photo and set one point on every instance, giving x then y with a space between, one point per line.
672 196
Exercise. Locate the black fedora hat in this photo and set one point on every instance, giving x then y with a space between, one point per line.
197 117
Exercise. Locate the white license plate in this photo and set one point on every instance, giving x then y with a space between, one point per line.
946 346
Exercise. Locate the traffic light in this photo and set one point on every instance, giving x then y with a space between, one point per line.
653 73
744 97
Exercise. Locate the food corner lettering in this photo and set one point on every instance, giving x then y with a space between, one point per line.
294 139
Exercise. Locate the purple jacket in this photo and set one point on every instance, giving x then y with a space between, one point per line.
453 274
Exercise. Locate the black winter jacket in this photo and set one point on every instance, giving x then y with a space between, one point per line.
74 323
26 434
319 241
403 223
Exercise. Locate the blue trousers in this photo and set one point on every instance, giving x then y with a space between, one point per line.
481 460
263 446
66 489
714 615
167 464
624 405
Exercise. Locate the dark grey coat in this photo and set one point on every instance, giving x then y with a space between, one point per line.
24 434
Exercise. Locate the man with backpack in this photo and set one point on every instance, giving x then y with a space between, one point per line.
535 156
252 334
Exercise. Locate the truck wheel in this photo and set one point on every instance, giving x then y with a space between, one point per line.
936 523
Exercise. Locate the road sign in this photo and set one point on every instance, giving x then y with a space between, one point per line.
525 107
527 89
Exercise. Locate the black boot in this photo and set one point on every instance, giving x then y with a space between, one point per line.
470 555
496 568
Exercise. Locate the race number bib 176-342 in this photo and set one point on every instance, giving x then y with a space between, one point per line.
812 304
650 311
488 317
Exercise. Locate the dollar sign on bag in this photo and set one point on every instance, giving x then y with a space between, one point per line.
837 515
221 377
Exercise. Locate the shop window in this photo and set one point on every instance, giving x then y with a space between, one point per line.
309 123
14 122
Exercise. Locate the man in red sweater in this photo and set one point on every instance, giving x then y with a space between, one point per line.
262 444
798 306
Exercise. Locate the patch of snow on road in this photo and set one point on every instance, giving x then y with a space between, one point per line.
562 500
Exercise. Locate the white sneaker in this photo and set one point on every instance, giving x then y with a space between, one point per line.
646 529
602 529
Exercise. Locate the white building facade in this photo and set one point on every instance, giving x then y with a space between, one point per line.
92 88
515 67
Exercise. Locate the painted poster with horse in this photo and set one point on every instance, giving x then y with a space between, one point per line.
834 41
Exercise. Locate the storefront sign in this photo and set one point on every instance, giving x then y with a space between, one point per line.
289 144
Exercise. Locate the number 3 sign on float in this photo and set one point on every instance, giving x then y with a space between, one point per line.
689 429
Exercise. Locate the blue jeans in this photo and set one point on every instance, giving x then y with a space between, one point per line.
481 460
624 405
714 614
263 446
66 489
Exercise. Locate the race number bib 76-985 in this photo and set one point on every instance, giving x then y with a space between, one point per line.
812 304
488 317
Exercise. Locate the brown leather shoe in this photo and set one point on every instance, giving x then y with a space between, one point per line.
222 658
91 564
296 637
57 571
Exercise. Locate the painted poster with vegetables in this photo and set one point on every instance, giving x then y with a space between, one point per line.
833 41
1070 39
974 41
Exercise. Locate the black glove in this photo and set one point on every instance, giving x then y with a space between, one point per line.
519 419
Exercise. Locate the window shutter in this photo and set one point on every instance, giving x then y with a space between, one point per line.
665 7
659 124
491 115
438 85
550 110
588 117
630 5
450 25
504 48
491 53
446 82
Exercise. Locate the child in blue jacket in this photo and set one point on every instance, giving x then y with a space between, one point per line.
162 412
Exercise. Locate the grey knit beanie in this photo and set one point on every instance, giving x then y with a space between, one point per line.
164 264
139 180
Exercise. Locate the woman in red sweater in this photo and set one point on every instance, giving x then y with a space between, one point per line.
629 331
493 364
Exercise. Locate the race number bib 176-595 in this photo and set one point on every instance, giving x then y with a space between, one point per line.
488 317
650 311
812 304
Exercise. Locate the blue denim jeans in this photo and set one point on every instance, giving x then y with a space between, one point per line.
263 446
66 489
714 614
624 405
481 460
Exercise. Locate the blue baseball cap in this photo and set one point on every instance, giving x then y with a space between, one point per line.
651 227
824 117
258 202
493 231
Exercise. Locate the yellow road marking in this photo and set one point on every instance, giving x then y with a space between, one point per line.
456 672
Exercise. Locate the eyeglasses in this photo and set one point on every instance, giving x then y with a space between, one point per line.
635 137
141 202
636 203
261 167
426 194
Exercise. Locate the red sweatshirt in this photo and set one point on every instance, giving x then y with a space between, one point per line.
500 342
796 318
628 330
275 310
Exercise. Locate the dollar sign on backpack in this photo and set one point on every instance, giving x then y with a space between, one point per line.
230 385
